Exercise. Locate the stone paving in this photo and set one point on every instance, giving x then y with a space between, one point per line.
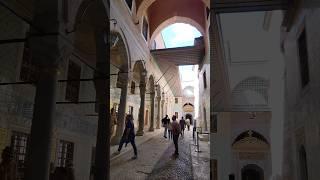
155 160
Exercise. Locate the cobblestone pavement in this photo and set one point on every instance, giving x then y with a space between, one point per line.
155 161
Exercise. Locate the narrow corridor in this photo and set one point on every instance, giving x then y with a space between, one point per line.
155 161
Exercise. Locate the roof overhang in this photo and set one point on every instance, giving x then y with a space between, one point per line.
190 55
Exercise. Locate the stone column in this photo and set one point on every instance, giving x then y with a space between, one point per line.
152 95
46 54
141 109
162 110
38 157
158 114
102 157
122 109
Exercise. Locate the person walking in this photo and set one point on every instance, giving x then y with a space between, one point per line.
188 123
8 166
170 129
194 128
182 123
128 136
165 122
176 130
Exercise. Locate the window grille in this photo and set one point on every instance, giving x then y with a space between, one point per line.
65 153
19 143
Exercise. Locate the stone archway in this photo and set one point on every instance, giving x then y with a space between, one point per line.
173 20
90 40
140 74
143 5
119 68
252 172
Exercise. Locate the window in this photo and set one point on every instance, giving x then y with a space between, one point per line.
19 143
130 110
303 55
65 153
28 68
129 3
133 87
176 100
204 80
145 28
73 87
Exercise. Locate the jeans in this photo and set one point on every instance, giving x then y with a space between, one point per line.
170 134
123 140
175 141
165 130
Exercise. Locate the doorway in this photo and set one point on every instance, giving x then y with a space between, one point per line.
189 116
252 172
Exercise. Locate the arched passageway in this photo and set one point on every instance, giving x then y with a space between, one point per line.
119 68
252 172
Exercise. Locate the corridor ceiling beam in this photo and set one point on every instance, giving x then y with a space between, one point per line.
190 55
233 6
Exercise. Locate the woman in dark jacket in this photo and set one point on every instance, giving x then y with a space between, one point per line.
128 136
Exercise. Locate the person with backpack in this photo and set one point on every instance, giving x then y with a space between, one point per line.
175 132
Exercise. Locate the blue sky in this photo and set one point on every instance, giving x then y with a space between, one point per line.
179 35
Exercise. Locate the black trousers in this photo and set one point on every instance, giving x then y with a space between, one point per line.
170 134
175 141
123 140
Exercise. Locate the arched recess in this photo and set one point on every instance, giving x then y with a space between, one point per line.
116 29
139 71
188 107
143 5
252 172
173 20
251 92
90 16
249 141
188 91
119 59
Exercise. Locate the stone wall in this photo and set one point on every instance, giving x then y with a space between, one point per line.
302 125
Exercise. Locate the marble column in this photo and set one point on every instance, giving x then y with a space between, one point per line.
46 54
141 109
102 158
162 110
122 109
152 95
158 114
